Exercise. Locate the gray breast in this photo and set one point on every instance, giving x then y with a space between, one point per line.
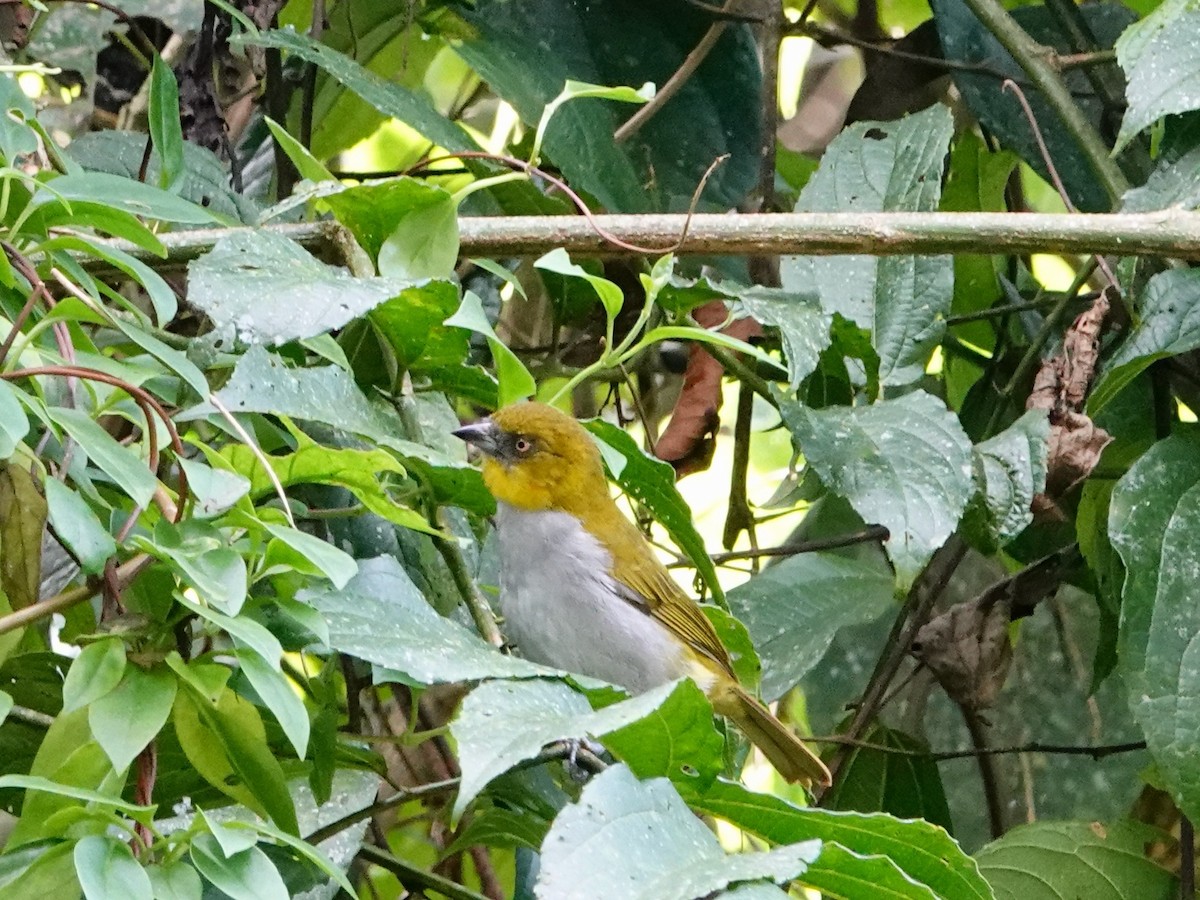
561 607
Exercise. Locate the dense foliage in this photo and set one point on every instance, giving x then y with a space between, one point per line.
248 638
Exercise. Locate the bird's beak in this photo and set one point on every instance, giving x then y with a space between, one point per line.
482 435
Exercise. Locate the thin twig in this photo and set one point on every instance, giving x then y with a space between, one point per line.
870 534
678 79
413 877
1096 751
400 797
64 600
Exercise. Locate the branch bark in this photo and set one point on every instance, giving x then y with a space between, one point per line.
1171 233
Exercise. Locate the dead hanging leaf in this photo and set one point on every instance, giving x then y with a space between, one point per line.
1061 387
22 521
968 650
967 647
689 439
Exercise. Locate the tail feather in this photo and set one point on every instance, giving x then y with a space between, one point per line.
782 747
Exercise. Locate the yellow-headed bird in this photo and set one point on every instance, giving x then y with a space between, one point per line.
582 590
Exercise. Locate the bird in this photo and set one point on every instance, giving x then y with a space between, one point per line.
582 590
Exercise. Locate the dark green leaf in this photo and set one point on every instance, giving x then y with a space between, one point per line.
108 871
1154 521
802 324
381 617
1168 323
374 210
901 300
794 608
651 482
1159 57
527 51
78 527
632 839
924 853
662 732
904 464
261 287
1010 469
1067 860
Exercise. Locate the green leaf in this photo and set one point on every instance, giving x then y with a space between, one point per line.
666 731
214 490
1159 57
175 881
127 194
227 744
261 287
924 853
794 608
13 423
1010 470
243 628
6 705
262 383
119 463
391 99
802 324
901 300
905 464
905 785
165 129
515 381
305 849
277 693
249 875
162 298
306 164
1066 860
1175 181
142 814
984 64
632 839
1154 521
528 51
96 671
199 553
574 90
381 617
651 482
1168 323
559 262
423 242
374 210
127 718
337 565
78 527
22 522
107 869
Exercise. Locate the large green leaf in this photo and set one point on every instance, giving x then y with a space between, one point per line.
925 854
632 839
78 527
667 731
246 875
127 194
793 610
1068 860
904 464
128 717
1168 323
901 300
651 482
261 287
1010 470
381 617
803 325
108 871
964 39
375 209
279 696
262 383
96 671
1154 523
527 51
119 463
1159 57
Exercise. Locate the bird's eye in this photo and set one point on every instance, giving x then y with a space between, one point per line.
523 445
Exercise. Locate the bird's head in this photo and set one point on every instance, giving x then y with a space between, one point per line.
538 458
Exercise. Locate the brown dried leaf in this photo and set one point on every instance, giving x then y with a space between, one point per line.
968 650
688 441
